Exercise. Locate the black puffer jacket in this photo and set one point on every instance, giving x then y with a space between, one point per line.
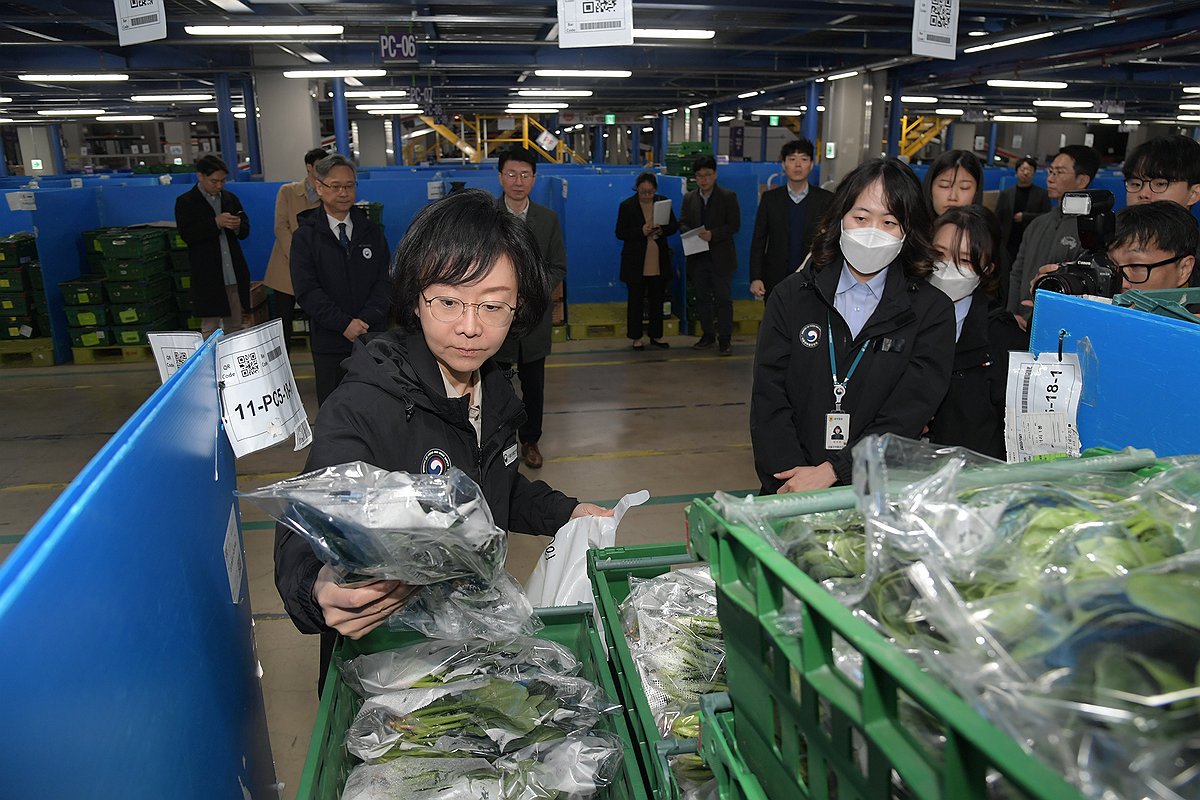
392 411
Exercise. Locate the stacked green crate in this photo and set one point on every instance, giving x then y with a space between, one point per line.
680 156
181 278
21 306
374 211
86 311
138 283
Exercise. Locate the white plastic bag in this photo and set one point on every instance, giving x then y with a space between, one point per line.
560 577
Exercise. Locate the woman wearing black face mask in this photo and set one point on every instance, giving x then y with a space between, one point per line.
857 340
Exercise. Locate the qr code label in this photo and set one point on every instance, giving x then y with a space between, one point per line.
599 6
178 358
248 364
939 13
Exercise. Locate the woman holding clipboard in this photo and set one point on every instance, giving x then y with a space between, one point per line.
645 258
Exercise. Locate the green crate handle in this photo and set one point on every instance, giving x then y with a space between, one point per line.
643 563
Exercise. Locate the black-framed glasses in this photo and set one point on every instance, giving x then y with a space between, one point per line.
338 187
1140 273
490 312
1157 185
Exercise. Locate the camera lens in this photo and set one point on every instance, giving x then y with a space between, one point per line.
1061 282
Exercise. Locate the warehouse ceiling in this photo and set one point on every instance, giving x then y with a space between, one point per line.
475 56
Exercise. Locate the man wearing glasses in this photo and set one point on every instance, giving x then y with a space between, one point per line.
1166 168
1155 246
339 268
518 171
1054 237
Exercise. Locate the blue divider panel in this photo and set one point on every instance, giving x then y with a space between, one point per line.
1141 386
128 670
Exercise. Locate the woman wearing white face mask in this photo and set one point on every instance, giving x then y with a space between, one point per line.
966 241
857 340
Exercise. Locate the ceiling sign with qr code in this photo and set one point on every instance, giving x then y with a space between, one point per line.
260 404
140 21
935 28
595 23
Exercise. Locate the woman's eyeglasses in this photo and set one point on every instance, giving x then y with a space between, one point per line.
490 312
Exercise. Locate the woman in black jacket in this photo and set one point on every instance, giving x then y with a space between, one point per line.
428 397
645 269
858 342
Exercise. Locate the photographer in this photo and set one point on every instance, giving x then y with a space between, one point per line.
1155 246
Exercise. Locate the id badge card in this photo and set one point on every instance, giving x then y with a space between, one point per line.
837 430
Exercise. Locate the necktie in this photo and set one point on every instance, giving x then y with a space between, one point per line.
342 237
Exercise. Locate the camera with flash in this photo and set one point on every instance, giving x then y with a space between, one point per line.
1089 273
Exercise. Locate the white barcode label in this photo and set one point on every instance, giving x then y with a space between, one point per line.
1042 406
140 21
261 405
935 28
144 20
595 23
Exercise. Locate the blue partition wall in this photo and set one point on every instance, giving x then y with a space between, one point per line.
129 670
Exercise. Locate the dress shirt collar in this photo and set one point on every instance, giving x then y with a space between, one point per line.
334 222
875 285
797 196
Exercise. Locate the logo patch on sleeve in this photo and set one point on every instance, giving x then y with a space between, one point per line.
435 462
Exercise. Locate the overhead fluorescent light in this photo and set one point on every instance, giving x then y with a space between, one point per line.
748 95
554 92
378 94
388 107
415 134
648 129
977 33
776 112
1063 103
538 104
239 116
335 73
1191 90
1181 117
531 110
127 117
582 73
215 110
1083 115
841 75
391 112
1012 83
672 33
73 78
232 6
726 119
1009 42
1110 121
1013 118
697 105
670 111
649 116
72 112
5 99
171 98
263 30
948 112
1182 106
3 120
1131 122
917 98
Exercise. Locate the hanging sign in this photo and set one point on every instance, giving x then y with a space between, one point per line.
595 23
935 28
260 404
140 21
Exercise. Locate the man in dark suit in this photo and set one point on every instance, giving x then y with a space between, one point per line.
211 221
787 218
1019 205
711 272
518 171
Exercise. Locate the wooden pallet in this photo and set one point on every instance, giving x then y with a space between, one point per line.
121 354
27 352
614 330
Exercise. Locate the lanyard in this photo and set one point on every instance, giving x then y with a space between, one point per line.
839 387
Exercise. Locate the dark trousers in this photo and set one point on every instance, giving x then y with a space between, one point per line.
714 297
653 287
533 395
283 307
329 373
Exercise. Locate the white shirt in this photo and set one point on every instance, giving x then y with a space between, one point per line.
334 222
855 300
475 409
520 213
797 196
961 309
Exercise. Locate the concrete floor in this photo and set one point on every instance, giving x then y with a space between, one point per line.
674 422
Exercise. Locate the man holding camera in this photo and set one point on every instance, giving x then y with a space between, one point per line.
1054 237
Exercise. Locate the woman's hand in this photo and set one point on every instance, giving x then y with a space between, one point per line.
807 479
355 612
590 510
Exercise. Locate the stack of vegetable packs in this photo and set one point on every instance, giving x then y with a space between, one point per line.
469 719
670 622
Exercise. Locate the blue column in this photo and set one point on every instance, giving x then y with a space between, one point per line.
253 146
225 127
766 129
3 158
664 139
397 142
635 146
715 127
991 156
948 138
56 150
341 120
812 117
598 144
894 121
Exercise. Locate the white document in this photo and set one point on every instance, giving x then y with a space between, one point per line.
21 201
140 21
260 404
172 350
692 243
935 28
1042 406
662 212
595 23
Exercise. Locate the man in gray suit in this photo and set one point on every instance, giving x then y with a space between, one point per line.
518 171
711 273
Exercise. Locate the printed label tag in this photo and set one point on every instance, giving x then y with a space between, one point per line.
172 350
837 430
1042 406
261 405
510 455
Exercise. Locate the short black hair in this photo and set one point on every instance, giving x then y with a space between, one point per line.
954 160
902 193
1030 160
646 177
1174 158
207 165
330 161
314 155
1087 160
521 154
982 230
703 161
802 146
1168 225
456 241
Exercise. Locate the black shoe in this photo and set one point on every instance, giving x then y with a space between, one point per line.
704 342
724 349
660 344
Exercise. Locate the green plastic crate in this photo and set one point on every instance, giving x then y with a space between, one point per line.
328 763
82 291
91 337
183 300
718 745
33 271
91 239
133 270
89 316
17 249
18 328
16 305
182 281
139 291
136 334
14 279
132 243
140 313
609 570
176 241
180 261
